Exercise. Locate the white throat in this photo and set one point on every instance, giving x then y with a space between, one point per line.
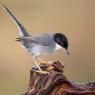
58 47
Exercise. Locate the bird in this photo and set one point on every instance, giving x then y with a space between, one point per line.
39 44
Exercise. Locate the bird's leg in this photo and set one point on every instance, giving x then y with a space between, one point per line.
40 70
37 64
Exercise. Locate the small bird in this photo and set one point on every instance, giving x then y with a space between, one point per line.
39 44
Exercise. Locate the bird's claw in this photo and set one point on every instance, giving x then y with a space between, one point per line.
42 72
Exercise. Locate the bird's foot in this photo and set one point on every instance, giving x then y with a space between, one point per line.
42 72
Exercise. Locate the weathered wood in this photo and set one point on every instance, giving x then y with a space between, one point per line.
55 82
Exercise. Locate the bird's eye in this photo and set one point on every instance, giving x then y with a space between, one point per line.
62 42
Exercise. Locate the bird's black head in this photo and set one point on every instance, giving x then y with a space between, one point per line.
61 40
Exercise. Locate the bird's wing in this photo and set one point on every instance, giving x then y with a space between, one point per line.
43 39
22 30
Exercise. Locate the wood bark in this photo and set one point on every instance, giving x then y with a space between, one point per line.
55 82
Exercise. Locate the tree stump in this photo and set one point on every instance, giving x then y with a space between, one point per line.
55 82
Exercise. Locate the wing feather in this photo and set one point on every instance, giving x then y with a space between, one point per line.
43 39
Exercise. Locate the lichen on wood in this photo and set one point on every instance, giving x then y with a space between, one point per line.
55 82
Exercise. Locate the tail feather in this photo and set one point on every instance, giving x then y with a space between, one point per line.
22 30
18 39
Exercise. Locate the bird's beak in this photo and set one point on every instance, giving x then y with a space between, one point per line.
68 52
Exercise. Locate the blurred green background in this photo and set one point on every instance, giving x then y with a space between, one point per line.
74 18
